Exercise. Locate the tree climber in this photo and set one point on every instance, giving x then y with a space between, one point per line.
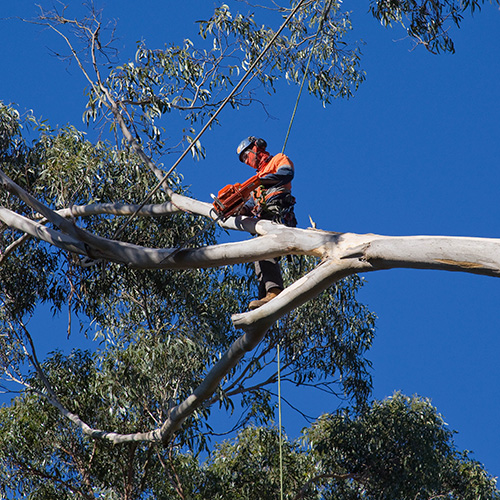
272 200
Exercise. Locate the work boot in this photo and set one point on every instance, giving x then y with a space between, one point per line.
272 292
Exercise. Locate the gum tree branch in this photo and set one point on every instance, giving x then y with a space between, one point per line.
342 254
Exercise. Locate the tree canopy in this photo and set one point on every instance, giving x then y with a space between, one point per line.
96 228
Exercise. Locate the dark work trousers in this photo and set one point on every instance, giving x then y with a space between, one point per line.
268 271
269 275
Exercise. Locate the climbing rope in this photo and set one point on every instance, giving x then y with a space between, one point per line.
320 26
213 117
279 423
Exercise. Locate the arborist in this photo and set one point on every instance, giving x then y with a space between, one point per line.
271 200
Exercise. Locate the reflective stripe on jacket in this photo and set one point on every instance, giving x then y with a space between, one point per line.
276 177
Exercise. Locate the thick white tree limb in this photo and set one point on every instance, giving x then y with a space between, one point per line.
40 232
349 254
341 254
166 208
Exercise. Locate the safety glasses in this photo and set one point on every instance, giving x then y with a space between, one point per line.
244 154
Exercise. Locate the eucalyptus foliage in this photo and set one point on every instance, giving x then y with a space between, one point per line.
427 22
399 448
192 79
159 332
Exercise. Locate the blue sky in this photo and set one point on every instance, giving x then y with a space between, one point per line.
416 151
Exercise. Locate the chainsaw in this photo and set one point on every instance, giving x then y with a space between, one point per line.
231 198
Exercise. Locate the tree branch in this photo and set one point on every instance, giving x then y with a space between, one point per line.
42 233
342 255
346 254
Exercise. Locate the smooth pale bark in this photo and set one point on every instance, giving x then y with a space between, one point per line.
166 208
40 232
341 254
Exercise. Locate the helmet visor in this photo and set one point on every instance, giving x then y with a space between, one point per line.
243 148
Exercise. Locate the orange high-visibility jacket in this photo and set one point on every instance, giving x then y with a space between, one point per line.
276 178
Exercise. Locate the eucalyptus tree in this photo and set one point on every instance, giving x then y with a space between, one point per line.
105 232
397 448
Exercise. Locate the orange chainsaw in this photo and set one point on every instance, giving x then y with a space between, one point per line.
231 198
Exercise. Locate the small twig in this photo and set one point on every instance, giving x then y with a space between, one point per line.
13 247
178 484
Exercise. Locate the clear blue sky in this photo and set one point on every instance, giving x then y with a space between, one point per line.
415 152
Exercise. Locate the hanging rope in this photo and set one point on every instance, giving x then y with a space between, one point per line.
320 26
279 423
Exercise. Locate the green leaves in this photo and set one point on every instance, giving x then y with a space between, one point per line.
334 71
248 467
194 78
160 332
397 448
427 22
